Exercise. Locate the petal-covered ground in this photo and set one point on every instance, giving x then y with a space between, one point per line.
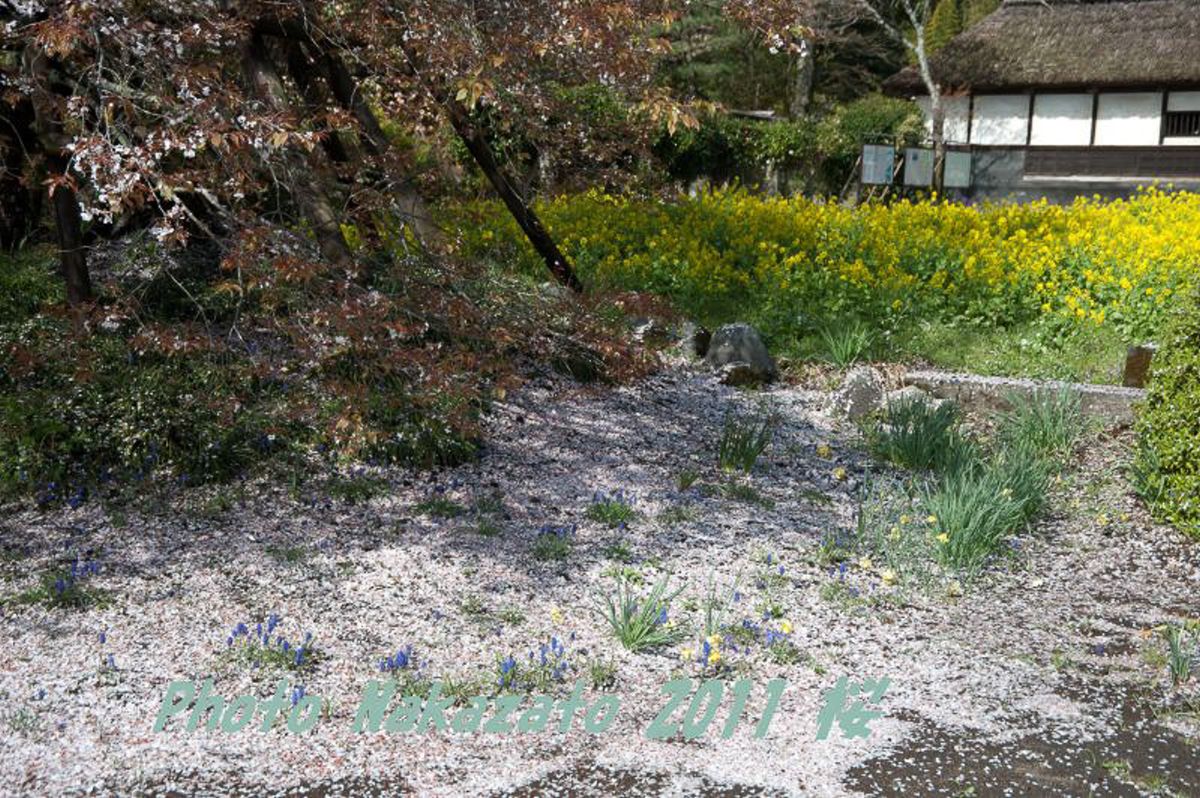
1044 675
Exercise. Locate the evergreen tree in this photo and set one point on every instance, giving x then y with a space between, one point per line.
944 25
975 10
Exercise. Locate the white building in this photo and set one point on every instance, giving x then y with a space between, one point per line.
1057 98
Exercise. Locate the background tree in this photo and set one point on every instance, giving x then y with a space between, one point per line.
945 23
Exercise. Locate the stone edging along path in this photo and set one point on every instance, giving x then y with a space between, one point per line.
992 393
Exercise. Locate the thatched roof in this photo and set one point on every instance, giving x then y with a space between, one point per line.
1070 44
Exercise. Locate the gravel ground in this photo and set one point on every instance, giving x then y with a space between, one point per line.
1043 677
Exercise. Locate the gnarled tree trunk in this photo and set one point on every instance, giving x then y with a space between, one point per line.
68 221
264 80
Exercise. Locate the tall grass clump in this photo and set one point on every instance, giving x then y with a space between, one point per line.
916 434
1049 422
977 508
846 344
640 623
743 440
976 498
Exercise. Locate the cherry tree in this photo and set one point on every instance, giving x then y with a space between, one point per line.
213 117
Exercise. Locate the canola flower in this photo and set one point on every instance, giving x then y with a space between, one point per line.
1093 262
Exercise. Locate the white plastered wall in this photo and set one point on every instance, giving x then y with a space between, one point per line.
1063 120
1000 119
1129 119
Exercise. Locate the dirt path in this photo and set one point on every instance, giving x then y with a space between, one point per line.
1042 678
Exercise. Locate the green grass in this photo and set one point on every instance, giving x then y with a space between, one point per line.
640 623
917 434
602 673
488 528
1182 657
620 552
1049 423
846 343
551 547
747 494
978 508
289 555
686 478
1092 354
439 507
743 440
355 488
612 511
678 514
491 504
56 590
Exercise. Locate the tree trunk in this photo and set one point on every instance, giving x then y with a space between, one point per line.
537 234
937 116
301 68
72 256
803 76
68 222
264 80
411 204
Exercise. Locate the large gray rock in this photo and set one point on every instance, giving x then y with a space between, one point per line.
740 346
861 394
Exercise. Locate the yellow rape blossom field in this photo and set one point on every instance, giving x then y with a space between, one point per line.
1094 269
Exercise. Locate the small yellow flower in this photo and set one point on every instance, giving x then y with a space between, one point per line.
866 564
825 451
556 615
943 538
1102 519
839 474
894 534
954 588
714 657
714 640
785 627
888 576
904 519
688 654
932 519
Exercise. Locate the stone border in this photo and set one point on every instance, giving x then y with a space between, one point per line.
1112 402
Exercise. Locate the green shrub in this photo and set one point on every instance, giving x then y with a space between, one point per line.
1168 425
28 281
